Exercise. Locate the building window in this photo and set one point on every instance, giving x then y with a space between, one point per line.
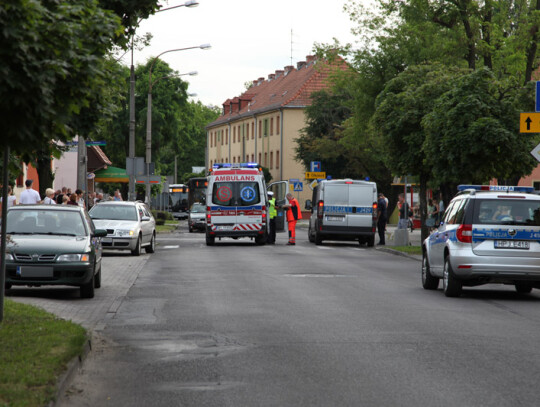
260 128
226 136
272 126
252 157
252 130
234 160
277 124
277 159
260 158
239 159
266 159
234 135
210 139
247 131
271 159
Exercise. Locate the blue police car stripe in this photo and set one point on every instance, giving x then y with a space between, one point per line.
347 209
483 234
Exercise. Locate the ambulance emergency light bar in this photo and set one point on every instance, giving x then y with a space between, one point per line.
235 165
496 188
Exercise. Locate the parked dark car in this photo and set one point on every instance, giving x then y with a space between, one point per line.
53 245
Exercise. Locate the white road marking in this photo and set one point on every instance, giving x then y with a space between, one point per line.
171 247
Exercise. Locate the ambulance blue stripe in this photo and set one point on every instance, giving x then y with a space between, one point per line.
239 208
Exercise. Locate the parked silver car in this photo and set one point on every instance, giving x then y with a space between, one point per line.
489 234
129 225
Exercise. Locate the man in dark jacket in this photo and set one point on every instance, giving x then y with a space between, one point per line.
381 218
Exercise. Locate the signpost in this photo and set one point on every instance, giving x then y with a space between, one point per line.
529 122
315 166
316 175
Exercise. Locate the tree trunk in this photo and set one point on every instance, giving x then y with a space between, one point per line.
471 45
46 177
486 33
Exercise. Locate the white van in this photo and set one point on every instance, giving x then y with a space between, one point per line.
343 210
236 203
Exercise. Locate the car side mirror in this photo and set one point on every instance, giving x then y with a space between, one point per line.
308 206
100 233
145 218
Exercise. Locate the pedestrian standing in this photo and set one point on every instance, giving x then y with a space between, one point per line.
382 214
60 196
117 195
293 215
80 197
403 212
29 196
49 197
11 199
272 213
441 207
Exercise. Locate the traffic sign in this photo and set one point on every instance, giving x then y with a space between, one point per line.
315 175
536 152
298 186
315 166
538 96
529 122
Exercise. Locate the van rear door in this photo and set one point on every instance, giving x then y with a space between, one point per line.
336 204
280 190
249 209
361 199
223 206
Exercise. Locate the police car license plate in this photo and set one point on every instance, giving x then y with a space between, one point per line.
512 244
335 218
224 228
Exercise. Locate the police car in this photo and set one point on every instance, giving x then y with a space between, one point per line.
236 203
489 234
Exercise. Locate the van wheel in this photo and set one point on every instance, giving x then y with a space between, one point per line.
210 240
318 239
451 285
371 241
310 235
261 239
523 288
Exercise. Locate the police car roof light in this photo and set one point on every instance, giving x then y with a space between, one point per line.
496 188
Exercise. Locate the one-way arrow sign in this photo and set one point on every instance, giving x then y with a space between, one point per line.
529 122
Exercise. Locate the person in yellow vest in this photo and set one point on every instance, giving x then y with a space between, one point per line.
272 213
293 215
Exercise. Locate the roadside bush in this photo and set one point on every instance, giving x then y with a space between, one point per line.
161 216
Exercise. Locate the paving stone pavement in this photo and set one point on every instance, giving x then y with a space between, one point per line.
119 271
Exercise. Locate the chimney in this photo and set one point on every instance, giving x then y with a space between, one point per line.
255 82
261 80
300 65
235 105
310 59
271 76
226 107
288 69
279 73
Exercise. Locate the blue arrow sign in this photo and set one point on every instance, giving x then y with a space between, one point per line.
537 96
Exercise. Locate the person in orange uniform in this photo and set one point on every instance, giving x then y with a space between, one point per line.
293 215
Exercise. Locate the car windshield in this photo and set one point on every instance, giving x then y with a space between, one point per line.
198 208
507 212
47 222
114 212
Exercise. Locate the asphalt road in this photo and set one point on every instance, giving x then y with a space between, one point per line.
334 325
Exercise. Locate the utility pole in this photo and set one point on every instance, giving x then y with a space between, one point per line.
81 165
131 193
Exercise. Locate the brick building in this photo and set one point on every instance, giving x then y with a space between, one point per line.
261 124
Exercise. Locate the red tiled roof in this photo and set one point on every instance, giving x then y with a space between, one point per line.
285 88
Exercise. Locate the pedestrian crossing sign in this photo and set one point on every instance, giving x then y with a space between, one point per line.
298 186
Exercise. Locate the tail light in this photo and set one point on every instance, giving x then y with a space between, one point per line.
320 207
208 216
464 233
374 211
264 213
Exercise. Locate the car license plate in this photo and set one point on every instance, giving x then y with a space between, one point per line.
106 240
35 272
335 218
512 244
224 228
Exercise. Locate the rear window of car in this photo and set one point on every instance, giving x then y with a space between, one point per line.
507 212
236 193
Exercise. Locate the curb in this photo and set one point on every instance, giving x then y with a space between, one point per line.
398 253
67 376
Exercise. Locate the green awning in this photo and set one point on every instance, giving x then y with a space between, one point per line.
111 174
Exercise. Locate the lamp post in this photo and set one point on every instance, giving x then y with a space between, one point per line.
149 109
131 148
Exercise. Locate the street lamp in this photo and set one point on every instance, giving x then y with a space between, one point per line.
131 148
149 108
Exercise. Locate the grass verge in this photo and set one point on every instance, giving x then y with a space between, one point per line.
167 227
35 348
408 249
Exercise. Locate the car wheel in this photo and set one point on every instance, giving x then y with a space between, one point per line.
151 248
428 281
7 286
97 278
190 229
318 239
370 241
451 285
523 287
210 240
310 235
137 250
87 290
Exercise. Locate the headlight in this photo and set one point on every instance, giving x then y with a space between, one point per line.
124 232
74 257
9 257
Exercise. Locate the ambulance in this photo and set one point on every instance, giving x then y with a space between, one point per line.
236 203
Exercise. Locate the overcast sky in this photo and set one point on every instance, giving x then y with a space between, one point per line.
249 38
